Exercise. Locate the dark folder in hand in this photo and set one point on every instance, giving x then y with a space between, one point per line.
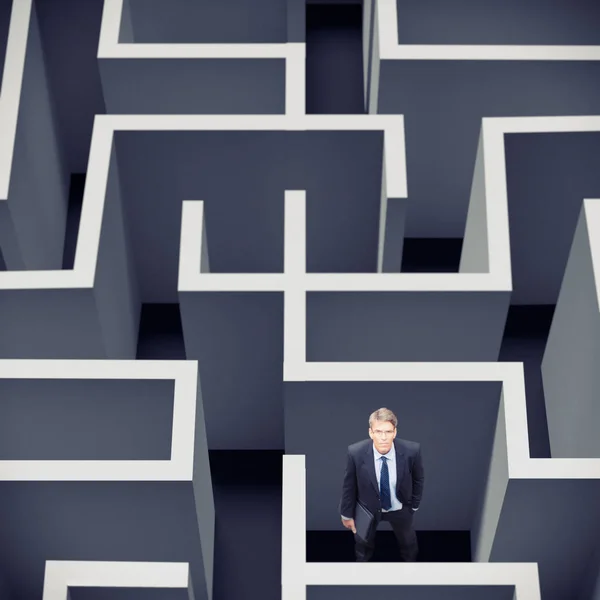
363 523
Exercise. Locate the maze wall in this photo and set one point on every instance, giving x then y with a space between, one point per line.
162 156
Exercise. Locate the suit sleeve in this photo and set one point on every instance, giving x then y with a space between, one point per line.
348 500
418 476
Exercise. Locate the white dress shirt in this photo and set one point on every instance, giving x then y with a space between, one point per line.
393 475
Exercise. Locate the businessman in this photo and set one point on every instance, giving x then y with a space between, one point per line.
386 476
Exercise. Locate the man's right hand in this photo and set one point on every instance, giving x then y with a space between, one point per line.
349 524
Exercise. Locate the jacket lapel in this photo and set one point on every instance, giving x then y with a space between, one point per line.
369 462
400 460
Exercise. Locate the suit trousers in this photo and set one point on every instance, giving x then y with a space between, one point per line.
402 524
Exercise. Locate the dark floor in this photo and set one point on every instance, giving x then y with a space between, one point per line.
431 255
161 333
73 216
334 62
525 335
247 542
247 490
434 546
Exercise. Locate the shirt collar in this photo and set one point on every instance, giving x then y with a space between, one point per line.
390 455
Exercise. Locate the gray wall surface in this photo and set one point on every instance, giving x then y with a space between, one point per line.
207 22
79 419
32 221
404 326
237 339
34 324
193 86
591 584
70 32
548 176
509 22
114 521
116 284
554 523
569 366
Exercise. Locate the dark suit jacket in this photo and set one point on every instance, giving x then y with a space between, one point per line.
360 480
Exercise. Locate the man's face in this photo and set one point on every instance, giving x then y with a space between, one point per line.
382 433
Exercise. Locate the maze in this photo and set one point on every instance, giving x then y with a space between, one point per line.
198 271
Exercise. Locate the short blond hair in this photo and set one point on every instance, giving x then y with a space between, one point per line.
383 414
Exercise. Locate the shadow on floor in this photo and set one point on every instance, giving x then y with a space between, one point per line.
160 334
434 546
334 61
525 336
431 255
76 187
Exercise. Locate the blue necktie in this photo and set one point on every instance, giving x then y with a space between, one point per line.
384 485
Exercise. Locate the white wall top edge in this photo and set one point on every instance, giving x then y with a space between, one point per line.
293 535
231 282
194 51
556 468
16 368
295 80
110 25
94 196
411 371
521 575
296 49
496 201
47 280
294 250
277 122
95 470
560 124
490 52
591 208
190 241
346 282
395 123
405 282
60 575
119 574
394 157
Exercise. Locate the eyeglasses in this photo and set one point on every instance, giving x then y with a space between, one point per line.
380 433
